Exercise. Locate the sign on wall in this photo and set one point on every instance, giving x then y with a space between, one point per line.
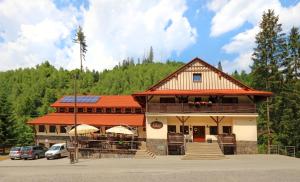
156 125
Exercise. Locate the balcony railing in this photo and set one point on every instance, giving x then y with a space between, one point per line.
201 108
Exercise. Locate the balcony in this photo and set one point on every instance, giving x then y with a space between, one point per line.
201 108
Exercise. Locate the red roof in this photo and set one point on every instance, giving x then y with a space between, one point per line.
104 101
91 119
205 92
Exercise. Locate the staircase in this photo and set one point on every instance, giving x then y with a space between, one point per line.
203 151
143 153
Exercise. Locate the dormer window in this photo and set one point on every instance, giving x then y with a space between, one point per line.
197 77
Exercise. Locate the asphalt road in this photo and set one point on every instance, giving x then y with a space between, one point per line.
162 169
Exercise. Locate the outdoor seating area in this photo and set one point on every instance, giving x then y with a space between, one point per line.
117 141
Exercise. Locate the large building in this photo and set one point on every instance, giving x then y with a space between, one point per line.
197 100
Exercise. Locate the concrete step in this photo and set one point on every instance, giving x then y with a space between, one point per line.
144 154
203 151
203 157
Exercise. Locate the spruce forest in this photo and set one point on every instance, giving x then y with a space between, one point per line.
28 93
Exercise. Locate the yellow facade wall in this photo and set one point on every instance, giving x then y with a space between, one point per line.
244 128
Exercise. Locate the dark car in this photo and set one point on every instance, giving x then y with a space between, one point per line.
15 153
33 152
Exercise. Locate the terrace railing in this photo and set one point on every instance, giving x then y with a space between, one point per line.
201 108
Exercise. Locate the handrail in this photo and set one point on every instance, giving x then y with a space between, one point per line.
226 139
202 107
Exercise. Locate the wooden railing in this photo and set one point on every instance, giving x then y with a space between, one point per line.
201 108
227 140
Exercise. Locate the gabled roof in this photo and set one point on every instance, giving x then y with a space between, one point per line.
220 92
242 89
90 119
203 63
104 101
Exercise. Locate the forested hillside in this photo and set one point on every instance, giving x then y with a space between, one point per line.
28 93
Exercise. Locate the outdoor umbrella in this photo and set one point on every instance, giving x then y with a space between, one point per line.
120 130
83 129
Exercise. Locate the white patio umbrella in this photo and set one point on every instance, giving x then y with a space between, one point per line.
83 129
120 130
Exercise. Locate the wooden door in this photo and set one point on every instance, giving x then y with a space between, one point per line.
199 133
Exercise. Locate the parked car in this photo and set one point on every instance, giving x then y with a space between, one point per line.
15 153
33 152
57 151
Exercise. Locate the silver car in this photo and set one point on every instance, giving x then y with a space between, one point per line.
15 153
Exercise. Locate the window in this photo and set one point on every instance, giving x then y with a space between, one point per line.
118 110
227 129
197 77
71 109
127 110
186 130
108 110
89 110
61 109
230 100
52 128
171 128
62 147
213 130
99 110
41 128
63 129
80 109
167 100
138 110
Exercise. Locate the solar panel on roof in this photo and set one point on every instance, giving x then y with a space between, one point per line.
80 99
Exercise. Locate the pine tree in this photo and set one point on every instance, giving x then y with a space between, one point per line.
151 55
80 39
291 64
268 54
220 66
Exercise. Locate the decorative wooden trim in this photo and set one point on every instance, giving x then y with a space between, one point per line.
188 65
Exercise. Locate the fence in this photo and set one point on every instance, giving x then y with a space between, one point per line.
283 150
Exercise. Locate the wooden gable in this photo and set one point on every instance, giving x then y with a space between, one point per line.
211 78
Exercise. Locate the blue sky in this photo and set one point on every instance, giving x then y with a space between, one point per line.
218 30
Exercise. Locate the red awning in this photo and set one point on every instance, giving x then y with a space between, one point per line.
206 92
90 119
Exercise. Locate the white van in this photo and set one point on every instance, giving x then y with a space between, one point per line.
57 151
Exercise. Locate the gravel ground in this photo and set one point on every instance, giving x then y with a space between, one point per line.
162 169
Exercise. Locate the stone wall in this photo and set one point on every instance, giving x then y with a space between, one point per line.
157 146
246 147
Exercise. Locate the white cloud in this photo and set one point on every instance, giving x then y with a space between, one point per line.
117 30
33 31
216 5
234 14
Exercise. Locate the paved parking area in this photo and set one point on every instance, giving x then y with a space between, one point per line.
162 169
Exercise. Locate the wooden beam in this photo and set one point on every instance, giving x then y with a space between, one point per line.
150 98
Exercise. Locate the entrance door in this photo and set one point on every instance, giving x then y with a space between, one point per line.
199 133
